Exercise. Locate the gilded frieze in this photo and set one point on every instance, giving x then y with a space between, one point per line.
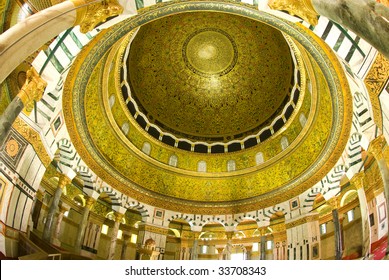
121 164
375 82
302 221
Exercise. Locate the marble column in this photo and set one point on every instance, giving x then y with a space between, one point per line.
31 92
27 36
249 248
62 209
82 226
47 231
38 196
126 239
114 235
376 147
366 18
358 182
220 254
334 203
263 244
195 248
228 250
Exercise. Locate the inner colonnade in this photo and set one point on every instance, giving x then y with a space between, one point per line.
253 130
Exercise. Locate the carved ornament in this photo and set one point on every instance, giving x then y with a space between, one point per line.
376 146
89 16
63 181
32 89
301 8
358 180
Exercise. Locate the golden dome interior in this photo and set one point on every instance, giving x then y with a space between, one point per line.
210 76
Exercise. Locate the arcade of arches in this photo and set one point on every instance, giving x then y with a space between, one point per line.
193 130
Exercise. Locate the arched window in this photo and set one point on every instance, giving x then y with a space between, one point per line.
231 165
146 148
173 160
302 119
126 128
202 166
284 143
259 158
111 100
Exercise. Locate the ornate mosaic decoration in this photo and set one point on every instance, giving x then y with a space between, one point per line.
146 176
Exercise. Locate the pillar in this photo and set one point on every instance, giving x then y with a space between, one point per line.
263 244
82 226
126 238
62 209
220 253
114 235
366 18
31 92
195 248
47 231
375 148
358 182
249 248
334 203
38 196
279 245
228 250
24 38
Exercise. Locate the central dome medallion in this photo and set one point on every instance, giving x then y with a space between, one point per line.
210 77
210 51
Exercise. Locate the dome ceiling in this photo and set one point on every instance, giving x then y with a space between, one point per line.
121 151
210 76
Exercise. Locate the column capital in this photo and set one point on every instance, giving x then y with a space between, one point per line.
89 202
263 230
301 8
358 180
63 181
118 217
32 90
229 234
89 16
196 234
220 250
376 146
333 202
